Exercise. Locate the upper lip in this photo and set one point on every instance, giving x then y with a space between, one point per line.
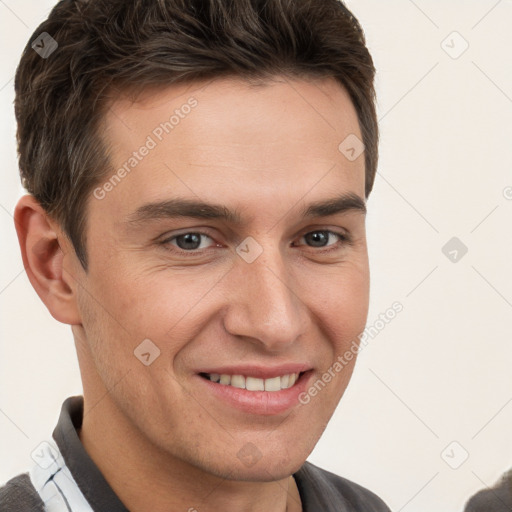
258 371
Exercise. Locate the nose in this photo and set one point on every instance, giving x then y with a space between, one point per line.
264 302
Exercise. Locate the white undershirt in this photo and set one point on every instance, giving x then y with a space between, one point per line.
54 482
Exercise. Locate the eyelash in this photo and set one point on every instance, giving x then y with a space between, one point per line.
344 238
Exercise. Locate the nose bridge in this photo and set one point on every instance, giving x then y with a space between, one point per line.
267 305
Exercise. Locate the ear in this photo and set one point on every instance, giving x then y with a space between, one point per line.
45 250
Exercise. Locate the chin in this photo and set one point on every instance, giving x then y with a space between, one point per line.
269 471
250 464
277 462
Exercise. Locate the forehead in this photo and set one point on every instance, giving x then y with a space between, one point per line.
273 142
232 113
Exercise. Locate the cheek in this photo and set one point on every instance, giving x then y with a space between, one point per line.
117 332
349 314
162 302
164 306
341 302
355 301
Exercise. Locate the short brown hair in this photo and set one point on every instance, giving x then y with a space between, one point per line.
106 45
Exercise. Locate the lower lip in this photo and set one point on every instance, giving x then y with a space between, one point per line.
260 402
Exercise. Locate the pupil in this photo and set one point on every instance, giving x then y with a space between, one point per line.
317 236
190 238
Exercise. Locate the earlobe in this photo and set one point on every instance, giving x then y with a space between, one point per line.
46 258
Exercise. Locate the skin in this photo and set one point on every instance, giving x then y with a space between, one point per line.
267 151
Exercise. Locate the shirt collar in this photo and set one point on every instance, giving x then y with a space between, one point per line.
88 477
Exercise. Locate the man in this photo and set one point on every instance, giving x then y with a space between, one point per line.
197 175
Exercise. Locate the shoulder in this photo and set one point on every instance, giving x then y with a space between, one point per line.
331 491
495 499
19 495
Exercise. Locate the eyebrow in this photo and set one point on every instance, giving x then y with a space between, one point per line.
189 208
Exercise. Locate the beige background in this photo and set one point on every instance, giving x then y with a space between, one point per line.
440 371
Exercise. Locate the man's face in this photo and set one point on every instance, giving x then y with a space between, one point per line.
269 294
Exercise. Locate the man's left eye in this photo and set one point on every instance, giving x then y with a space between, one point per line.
320 236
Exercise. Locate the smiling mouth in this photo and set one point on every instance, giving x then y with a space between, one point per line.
254 383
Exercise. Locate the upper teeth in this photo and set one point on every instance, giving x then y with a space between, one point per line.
255 384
